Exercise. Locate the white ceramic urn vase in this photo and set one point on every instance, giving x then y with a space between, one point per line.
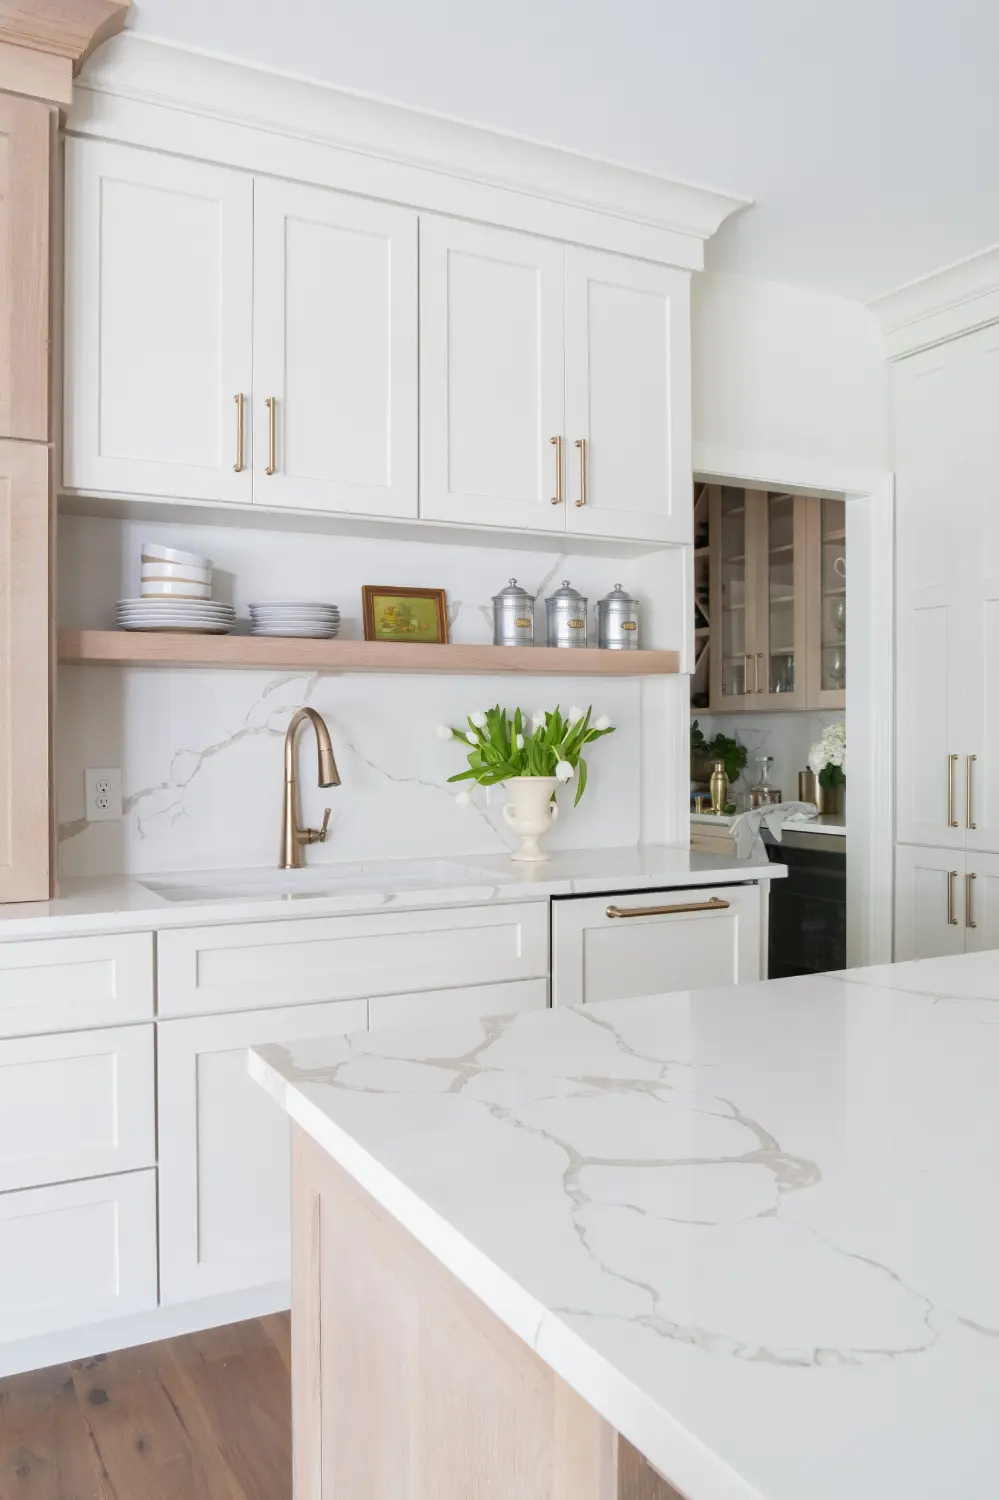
530 812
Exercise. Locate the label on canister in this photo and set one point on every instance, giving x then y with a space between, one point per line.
523 624
628 625
576 624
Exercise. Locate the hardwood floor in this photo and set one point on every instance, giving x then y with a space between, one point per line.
204 1417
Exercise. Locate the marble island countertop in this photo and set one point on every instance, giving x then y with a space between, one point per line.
756 1228
136 903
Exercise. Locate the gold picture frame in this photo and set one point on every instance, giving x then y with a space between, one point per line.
404 614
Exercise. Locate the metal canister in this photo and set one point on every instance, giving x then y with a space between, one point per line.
566 611
513 616
617 621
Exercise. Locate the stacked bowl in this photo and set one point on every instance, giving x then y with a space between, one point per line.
176 595
312 621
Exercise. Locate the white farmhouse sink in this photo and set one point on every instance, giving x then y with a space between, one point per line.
338 880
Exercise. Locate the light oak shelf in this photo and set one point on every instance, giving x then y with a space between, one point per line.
127 648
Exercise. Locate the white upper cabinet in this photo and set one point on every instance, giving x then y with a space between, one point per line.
492 391
947 522
335 351
159 294
627 398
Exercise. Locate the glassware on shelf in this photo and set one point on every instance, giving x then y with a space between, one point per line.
833 584
732 564
781 582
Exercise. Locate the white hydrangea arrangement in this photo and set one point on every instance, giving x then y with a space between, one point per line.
504 746
827 758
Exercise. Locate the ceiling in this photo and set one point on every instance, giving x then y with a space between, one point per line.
866 131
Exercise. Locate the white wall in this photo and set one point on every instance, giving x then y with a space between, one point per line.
787 737
787 379
201 751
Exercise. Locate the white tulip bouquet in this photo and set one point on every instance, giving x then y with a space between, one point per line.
504 746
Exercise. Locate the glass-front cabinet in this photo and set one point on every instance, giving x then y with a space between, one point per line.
777 597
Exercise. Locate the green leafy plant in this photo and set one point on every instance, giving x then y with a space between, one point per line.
721 748
504 746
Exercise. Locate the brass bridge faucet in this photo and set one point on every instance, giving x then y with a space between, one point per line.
292 836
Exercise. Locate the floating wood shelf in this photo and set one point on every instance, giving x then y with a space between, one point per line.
128 648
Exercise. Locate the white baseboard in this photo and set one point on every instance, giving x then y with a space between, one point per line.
142 1328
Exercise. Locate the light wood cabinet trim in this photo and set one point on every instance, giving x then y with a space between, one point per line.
716 642
64 28
24 671
26 176
40 75
817 697
757 611
361 1281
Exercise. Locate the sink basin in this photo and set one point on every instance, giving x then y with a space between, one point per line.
298 885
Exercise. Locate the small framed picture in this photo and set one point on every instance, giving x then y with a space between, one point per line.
399 614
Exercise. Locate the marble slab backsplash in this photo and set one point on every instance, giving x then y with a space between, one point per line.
788 737
200 751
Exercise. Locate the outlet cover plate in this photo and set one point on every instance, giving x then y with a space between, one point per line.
103 795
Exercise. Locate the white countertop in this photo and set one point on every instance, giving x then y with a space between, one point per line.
123 904
756 1228
826 823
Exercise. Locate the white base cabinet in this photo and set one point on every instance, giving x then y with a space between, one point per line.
946 902
76 1253
654 942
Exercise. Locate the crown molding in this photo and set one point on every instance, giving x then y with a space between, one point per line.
153 93
944 305
43 42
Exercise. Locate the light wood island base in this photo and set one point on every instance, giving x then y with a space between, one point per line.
405 1387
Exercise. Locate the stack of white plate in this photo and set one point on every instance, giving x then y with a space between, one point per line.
315 621
189 616
169 573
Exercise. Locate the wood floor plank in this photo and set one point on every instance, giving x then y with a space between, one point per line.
148 1445
278 1329
45 1452
237 1378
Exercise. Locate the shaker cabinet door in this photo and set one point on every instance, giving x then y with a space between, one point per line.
225 1149
929 902
492 362
335 351
628 454
159 300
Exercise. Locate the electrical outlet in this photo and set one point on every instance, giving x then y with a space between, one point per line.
103 795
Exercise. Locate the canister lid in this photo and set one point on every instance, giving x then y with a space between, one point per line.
617 599
567 594
512 591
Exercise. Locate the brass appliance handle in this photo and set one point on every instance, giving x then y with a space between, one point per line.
581 445
969 919
240 401
271 405
951 919
557 497
951 820
715 904
968 818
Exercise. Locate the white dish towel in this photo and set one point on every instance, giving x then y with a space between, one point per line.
746 827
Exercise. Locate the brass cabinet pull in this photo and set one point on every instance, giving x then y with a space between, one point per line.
968 818
746 658
581 445
951 919
240 401
969 918
759 663
557 497
271 404
951 820
715 904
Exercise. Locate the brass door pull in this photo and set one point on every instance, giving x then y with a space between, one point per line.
557 497
969 916
240 401
968 818
271 404
581 445
951 762
756 678
746 658
715 904
951 919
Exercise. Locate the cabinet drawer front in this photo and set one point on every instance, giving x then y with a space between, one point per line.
76 1105
225 1149
453 1005
208 969
65 984
76 1253
602 957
